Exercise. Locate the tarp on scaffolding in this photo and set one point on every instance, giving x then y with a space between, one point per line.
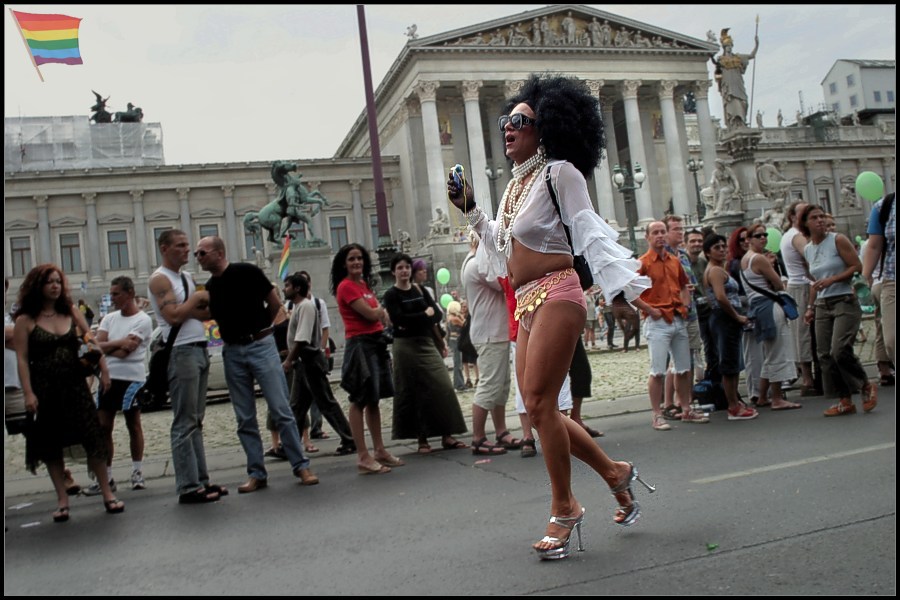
73 142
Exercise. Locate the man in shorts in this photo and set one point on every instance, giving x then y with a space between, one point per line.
666 307
124 336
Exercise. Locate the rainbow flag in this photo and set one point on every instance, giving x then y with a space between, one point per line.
50 38
285 258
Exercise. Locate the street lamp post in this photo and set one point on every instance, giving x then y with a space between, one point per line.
694 166
493 176
621 177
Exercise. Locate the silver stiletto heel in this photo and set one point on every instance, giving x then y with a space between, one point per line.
625 516
558 552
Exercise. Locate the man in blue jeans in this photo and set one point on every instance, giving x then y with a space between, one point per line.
177 303
245 305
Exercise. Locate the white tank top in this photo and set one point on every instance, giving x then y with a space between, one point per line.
191 330
794 261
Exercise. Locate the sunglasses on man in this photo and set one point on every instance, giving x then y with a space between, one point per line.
518 121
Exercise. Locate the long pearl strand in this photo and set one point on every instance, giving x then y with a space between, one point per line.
516 195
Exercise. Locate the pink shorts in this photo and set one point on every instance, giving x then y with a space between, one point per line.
559 285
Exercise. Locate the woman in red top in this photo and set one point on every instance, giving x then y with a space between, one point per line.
366 370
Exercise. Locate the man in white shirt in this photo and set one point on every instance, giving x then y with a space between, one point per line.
124 336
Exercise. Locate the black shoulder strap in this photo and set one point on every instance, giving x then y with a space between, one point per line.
766 293
883 215
558 211
173 332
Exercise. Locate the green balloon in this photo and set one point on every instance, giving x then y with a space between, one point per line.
443 276
869 186
773 243
446 299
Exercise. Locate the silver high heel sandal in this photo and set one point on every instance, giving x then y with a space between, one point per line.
629 517
558 552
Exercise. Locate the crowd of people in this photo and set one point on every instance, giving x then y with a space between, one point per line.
713 308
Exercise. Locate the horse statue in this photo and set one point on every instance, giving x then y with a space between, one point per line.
101 115
134 114
289 206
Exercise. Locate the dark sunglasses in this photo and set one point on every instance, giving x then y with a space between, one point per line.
743 238
518 121
760 235
201 253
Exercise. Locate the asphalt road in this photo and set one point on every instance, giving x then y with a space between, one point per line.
788 504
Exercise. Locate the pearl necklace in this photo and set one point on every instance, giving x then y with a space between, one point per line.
515 195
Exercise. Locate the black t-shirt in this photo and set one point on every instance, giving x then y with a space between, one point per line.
237 301
407 311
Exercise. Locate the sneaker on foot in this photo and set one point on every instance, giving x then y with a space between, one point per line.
94 488
137 480
742 413
659 423
694 416
844 407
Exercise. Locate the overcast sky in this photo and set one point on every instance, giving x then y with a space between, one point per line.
264 82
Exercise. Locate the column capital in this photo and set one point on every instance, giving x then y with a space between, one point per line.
595 85
511 87
470 89
41 201
886 161
427 90
312 184
629 88
183 192
413 108
136 195
606 102
228 189
835 163
701 89
90 198
809 162
666 89
355 184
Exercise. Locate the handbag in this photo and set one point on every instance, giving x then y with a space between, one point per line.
785 301
580 264
156 388
437 333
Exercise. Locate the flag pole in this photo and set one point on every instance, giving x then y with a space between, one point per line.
27 47
753 76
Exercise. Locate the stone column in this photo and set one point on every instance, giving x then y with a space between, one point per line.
477 157
231 231
45 253
810 181
886 175
602 173
316 227
359 226
140 233
95 266
629 89
707 133
498 151
431 130
836 183
185 210
619 212
674 157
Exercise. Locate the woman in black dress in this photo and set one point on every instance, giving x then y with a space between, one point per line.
48 334
425 404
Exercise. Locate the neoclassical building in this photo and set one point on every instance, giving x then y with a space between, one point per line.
437 106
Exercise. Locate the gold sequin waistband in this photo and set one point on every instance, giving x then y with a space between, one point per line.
534 296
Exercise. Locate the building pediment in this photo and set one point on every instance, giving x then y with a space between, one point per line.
20 225
161 215
68 222
565 27
207 213
115 219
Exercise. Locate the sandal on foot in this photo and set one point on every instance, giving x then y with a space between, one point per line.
390 461
424 448
512 444
376 469
672 413
628 514
201 496
114 506
61 515
560 548
446 444
592 432
484 447
309 448
221 490
528 449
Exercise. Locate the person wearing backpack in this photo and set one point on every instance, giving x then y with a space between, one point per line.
879 261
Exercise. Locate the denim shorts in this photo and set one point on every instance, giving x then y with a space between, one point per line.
665 340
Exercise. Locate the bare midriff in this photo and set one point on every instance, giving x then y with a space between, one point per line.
526 265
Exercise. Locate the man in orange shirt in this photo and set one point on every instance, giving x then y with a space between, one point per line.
665 306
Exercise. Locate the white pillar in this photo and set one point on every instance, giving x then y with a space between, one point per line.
45 253
477 157
358 224
602 173
95 265
231 236
612 159
185 210
431 130
636 147
705 127
674 157
140 233
810 181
